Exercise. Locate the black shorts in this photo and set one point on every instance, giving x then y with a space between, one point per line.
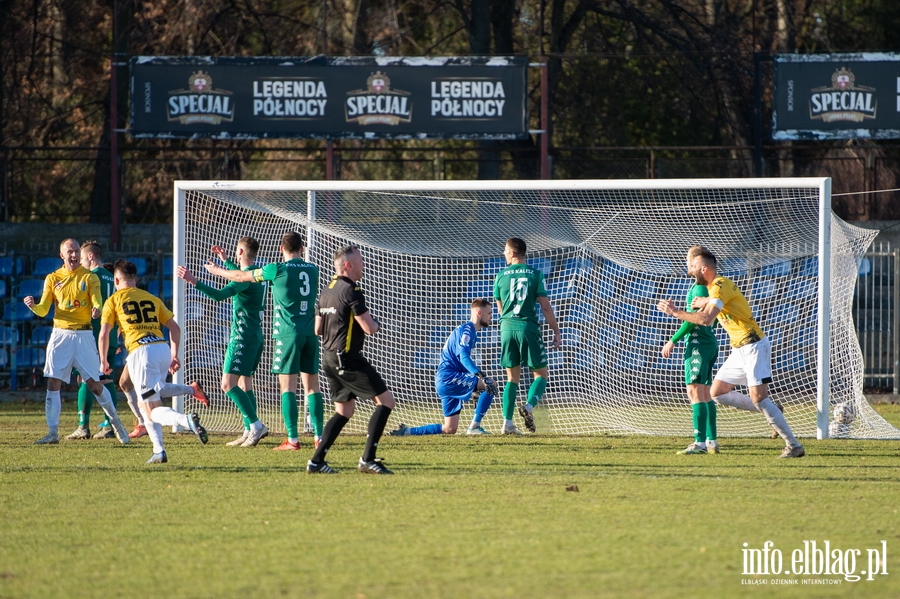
358 378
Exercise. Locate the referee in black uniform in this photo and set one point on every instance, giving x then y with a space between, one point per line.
343 321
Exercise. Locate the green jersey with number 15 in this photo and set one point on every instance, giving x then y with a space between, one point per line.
517 287
295 285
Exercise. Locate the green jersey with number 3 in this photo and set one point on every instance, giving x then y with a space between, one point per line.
295 285
517 287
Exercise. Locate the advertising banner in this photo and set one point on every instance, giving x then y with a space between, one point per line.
836 96
329 97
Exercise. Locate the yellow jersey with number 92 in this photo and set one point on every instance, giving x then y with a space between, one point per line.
139 314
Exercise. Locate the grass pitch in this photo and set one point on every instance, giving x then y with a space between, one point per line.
535 516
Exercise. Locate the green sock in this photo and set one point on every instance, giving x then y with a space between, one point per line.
510 391
244 406
113 394
253 403
85 403
536 390
711 420
316 412
698 412
291 413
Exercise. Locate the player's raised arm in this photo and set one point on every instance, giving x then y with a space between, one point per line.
239 276
43 307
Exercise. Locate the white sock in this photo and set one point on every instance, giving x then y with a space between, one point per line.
169 417
52 408
172 390
475 424
132 398
256 426
736 400
528 407
778 422
508 423
105 401
154 431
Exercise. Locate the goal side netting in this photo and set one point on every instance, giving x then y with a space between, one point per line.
609 251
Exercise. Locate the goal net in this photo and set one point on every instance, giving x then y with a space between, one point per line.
609 251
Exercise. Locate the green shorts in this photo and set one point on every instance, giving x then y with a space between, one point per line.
242 357
698 365
296 354
518 348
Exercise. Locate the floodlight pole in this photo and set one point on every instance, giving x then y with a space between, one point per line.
545 118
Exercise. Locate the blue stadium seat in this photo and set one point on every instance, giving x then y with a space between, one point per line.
489 338
492 266
478 289
30 357
616 272
776 337
40 335
784 313
634 360
9 336
17 311
9 267
809 267
650 337
762 288
604 289
438 335
579 313
608 337
677 289
153 288
642 289
140 264
733 267
119 360
801 287
775 267
44 266
571 337
4 358
624 313
577 266
659 266
2 288
807 338
427 359
167 267
792 360
33 287
460 312
560 289
542 264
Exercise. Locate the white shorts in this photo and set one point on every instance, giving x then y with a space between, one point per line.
749 365
66 349
148 366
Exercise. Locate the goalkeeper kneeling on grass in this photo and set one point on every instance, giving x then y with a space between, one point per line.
458 377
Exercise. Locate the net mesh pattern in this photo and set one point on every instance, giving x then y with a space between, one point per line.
608 257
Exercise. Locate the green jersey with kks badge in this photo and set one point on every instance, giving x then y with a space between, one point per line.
517 287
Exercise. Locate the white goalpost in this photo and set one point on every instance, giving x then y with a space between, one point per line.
609 251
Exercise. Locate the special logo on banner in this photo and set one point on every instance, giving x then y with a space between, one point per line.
378 104
200 103
843 100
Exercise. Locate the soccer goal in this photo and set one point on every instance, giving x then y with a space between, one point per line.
609 250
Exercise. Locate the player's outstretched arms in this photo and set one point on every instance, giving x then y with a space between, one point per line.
186 275
219 252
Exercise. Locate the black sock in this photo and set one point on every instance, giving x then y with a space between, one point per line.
333 428
376 428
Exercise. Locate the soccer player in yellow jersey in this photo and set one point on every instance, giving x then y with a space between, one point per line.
749 362
75 291
140 317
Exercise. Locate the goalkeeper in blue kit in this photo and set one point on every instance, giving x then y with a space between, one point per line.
458 377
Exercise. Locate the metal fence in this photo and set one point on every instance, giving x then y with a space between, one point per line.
876 317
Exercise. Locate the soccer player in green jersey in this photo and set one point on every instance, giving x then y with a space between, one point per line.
518 288
246 342
295 286
701 348
92 259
